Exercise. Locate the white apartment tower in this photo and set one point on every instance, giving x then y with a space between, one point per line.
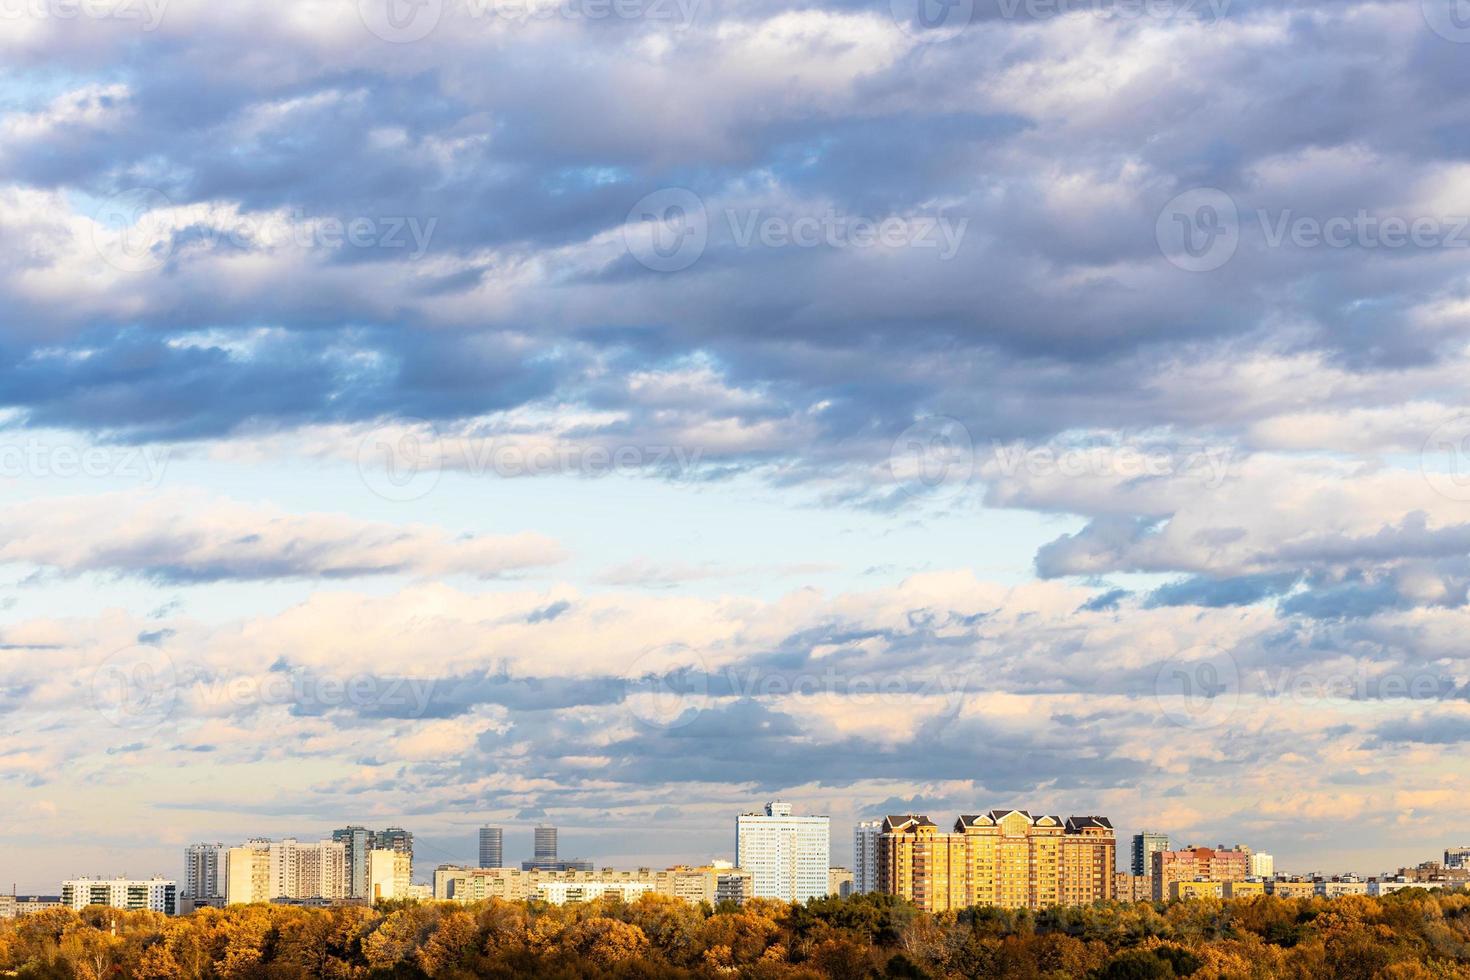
865 856
787 856
1262 865
204 866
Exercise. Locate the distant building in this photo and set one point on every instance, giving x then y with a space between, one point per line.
1132 888
14 906
1457 857
153 894
545 843
1006 858
1338 887
204 873
1185 890
545 856
865 856
1291 887
264 871
1262 865
839 882
1388 886
1244 889
390 875
359 842
713 883
492 847
1197 864
788 856
1144 846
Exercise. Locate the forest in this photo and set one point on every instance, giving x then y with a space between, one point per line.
1412 934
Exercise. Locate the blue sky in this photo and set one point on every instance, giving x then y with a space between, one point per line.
502 412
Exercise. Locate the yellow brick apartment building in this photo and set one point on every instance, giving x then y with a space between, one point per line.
1006 858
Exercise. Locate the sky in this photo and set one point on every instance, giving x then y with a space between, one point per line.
620 413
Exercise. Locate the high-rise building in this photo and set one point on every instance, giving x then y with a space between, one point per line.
264 870
839 882
1144 846
715 883
545 843
390 874
787 856
154 894
204 873
1197 864
492 847
359 842
1262 865
545 856
1457 857
1006 858
865 856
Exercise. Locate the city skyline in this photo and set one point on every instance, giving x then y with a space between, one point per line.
618 415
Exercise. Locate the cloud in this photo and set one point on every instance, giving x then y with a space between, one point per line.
185 538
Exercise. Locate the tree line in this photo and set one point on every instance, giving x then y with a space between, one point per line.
1409 935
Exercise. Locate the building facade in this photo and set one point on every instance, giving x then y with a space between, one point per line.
1005 858
1262 865
839 882
865 856
1132 888
492 847
390 874
204 881
1145 844
266 871
788 856
1197 864
153 894
714 883
359 842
